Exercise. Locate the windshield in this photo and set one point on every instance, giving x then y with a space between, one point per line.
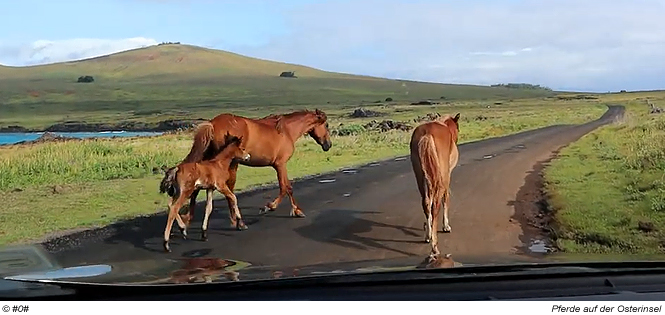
200 141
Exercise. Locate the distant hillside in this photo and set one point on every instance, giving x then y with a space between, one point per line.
166 60
184 81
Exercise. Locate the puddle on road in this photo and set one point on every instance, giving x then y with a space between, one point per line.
350 171
347 195
375 164
400 158
488 156
520 146
539 247
324 181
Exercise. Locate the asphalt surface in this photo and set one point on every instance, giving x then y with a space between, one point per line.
370 212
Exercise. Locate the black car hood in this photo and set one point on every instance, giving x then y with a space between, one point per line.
32 263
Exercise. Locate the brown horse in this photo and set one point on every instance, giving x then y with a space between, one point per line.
269 140
210 175
434 155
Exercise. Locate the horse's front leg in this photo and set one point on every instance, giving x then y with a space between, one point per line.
285 189
174 206
271 206
234 211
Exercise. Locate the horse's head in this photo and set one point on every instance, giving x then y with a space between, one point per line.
454 129
320 131
237 148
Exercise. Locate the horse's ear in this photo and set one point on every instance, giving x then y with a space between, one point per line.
320 114
456 118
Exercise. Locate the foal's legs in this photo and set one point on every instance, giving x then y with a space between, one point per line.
234 211
284 189
174 206
204 226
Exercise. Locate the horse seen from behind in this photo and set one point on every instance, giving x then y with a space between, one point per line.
270 141
434 155
210 175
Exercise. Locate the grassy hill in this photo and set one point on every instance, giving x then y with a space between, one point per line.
181 81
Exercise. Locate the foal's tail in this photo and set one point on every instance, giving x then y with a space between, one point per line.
431 166
169 184
204 135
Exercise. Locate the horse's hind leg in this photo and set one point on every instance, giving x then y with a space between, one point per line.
446 206
434 222
427 226
204 226
234 212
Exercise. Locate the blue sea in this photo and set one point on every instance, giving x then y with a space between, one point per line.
11 138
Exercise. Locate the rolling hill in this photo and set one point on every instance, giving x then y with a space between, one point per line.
183 81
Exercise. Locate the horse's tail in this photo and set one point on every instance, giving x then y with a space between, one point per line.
204 135
169 184
431 167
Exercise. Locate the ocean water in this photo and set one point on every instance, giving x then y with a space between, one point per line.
11 138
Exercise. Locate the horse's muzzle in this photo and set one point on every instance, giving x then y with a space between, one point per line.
326 146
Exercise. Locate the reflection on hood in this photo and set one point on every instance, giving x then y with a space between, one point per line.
204 270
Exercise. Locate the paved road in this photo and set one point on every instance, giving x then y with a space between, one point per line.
372 213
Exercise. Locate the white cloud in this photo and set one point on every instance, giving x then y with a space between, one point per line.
45 51
565 44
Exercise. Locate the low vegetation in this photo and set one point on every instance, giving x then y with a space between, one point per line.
56 186
607 190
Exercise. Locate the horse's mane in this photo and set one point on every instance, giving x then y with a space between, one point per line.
278 119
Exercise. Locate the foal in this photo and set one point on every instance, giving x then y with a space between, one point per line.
210 175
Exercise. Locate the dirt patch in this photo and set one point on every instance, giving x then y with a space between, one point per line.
534 214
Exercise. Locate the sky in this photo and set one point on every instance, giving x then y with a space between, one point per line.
576 45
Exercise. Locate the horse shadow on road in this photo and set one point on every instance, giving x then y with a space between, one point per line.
358 231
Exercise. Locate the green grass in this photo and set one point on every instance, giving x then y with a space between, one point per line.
99 181
188 82
605 184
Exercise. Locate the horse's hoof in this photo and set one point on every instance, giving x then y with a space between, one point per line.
167 247
204 235
241 227
447 229
265 210
427 240
297 214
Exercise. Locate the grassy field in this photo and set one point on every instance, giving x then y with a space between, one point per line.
608 188
187 82
52 187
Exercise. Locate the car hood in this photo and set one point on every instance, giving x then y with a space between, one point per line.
32 263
